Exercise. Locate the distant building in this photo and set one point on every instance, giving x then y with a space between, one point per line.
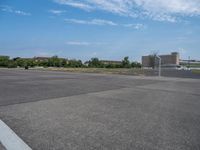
39 59
113 62
106 62
167 60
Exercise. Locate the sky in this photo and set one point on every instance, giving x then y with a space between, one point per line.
107 29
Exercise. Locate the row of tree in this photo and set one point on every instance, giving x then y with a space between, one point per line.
55 61
125 63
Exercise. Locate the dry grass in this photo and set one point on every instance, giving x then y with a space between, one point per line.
122 71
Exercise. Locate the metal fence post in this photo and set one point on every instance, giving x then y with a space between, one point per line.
159 65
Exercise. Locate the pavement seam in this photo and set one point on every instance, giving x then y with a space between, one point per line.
61 97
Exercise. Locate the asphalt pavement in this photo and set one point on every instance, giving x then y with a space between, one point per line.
59 110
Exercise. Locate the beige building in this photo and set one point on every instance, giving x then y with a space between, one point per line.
41 59
171 59
107 62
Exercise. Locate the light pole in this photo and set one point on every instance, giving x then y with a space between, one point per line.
159 65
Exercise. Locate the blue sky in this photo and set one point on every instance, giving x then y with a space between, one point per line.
107 29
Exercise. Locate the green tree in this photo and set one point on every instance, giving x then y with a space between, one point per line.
21 62
54 62
31 63
136 65
12 64
110 65
152 60
94 62
4 60
126 63
75 63
63 62
44 63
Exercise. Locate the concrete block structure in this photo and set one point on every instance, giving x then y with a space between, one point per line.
146 61
171 59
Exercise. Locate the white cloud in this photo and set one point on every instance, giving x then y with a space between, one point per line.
76 4
76 43
6 8
83 43
102 22
56 12
135 26
161 10
92 22
22 13
9 9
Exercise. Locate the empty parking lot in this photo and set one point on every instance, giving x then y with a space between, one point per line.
59 110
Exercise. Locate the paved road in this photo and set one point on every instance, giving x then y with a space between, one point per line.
55 110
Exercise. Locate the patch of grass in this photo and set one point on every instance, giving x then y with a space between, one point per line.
196 71
197 65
